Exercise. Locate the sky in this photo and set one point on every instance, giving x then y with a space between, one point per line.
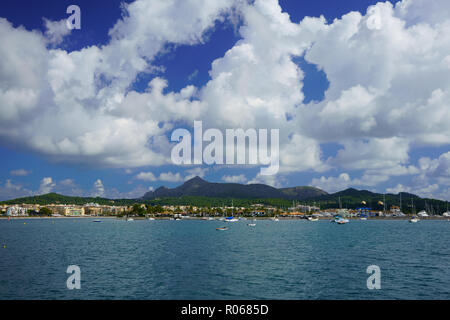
359 91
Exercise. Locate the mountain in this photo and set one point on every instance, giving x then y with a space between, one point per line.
352 198
199 187
199 192
302 193
61 199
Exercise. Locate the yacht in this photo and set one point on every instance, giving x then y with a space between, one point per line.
423 213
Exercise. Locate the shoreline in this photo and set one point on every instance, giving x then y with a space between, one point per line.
436 218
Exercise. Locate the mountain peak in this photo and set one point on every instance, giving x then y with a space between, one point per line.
195 179
196 186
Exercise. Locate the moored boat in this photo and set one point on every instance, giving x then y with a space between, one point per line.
340 220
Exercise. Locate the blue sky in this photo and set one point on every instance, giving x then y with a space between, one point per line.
332 147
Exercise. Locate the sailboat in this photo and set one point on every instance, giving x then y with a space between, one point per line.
447 213
414 219
253 223
231 219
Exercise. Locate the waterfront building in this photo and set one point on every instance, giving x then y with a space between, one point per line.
16 211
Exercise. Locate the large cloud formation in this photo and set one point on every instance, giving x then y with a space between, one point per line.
388 72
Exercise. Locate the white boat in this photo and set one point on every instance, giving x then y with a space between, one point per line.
151 219
130 219
363 219
313 219
423 213
414 220
251 224
340 220
275 219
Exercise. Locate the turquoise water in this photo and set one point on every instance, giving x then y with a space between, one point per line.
191 260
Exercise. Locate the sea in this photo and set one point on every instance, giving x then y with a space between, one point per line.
190 259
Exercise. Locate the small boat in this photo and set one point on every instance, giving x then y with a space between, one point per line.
251 224
222 229
340 220
313 219
275 219
231 219
151 219
414 220
130 219
363 219
97 221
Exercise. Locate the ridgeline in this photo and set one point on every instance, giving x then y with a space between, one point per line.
198 192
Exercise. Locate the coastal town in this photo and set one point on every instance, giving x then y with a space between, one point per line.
140 210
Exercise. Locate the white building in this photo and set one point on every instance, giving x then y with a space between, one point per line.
16 211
